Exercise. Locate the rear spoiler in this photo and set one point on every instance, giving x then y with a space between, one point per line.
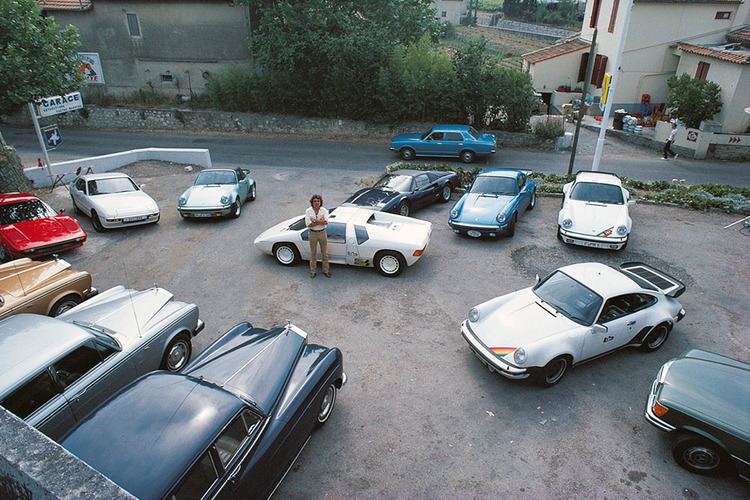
640 273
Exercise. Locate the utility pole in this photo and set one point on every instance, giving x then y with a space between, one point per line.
586 83
35 119
612 86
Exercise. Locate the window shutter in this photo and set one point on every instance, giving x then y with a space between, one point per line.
582 67
595 13
613 16
702 72
600 66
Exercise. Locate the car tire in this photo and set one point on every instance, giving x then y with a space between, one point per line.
559 234
625 245
467 156
699 455
236 209
532 203
656 338
286 254
553 372
446 193
407 154
404 209
389 263
327 404
3 254
177 354
512 225
251 195
64 304
98 227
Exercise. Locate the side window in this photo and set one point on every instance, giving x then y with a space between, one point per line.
641 301
297 225
433 176
198 480
105 351
361 232
614 308
521 182
81 185
436 136
453 136
240 174
31 396
233 436
336 231
92 188
421 181
76 364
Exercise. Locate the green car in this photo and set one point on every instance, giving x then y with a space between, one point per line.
704 400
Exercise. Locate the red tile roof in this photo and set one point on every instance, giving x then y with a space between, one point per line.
559 49
740 36
717 52
65 4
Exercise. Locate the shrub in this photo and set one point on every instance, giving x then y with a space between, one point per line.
549 128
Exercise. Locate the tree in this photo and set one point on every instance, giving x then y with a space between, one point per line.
36 57
693 101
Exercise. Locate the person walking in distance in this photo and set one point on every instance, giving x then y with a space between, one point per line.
668 144
316 220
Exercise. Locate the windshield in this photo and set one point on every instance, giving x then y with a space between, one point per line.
26 210
495 185
112 185
400 183
569 297
215 177
597 193
473 132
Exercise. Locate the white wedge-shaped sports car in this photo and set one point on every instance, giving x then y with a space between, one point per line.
577 313
595 212
356 236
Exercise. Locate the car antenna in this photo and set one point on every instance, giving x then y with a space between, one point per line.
130 296
18 277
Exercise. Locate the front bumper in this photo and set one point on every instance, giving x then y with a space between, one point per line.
92 292
492 362
199 327
131 220
48 249
205 212
478 230
653 419
614 243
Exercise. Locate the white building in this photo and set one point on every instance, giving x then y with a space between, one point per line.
450 11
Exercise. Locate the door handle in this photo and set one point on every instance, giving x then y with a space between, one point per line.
631 323
235 473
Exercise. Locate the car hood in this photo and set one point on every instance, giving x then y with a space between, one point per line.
252 363
490 138
124 204
208 195
595 218
41 232
23 276
482 209
129 314
373 197
274 232
520 321
410 137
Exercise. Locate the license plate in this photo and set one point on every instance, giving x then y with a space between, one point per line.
201 215
474 234
134 219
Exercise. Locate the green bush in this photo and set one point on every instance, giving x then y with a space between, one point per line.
550 128
693 101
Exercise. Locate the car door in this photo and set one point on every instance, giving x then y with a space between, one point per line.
621 318
336 233
78 193
423 191
243 184
524 193
433 145
355 236
453 144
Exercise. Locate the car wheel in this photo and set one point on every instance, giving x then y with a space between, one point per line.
656 338
407 154
252 194
512 225
390 263
64 304
177 354
467 156
553 372
236 209
699 455
326 406
532 203
404 209
625 245
286 254
98 227
446 193
559 235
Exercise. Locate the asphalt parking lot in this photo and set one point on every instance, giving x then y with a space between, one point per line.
420 416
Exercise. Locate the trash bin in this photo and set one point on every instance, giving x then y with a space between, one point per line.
617 121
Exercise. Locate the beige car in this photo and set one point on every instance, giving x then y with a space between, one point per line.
42 287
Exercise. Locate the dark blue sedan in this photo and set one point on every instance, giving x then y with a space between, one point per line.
452 141
230 425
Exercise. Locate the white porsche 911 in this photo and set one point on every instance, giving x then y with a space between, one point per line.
595 211
576 314
356 236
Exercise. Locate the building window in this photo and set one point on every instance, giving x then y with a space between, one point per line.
134 27
167 77
723 15
595 13
597 75
613 16
702 72
444 14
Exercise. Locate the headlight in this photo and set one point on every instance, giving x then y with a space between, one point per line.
225 199
519 356
182 201
474 315
454 213
500 218
567 223
621 230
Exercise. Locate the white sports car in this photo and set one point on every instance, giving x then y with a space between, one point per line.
112 200
595 211
576 314
356 236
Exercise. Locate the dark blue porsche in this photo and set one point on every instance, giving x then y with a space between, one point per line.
230 425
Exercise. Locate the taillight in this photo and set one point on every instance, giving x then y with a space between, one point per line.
658 409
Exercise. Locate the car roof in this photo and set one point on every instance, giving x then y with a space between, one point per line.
499 172
233 170
598 177
351 213
30 342
601 278
106 175
450 128
149 434
8 198
414 173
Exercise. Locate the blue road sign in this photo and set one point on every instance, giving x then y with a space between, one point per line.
52 136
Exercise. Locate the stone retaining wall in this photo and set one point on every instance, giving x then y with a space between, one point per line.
11 172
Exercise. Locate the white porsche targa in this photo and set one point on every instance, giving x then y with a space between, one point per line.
356 237
595 212
576 314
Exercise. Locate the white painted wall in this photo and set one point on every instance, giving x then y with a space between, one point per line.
453 10
562 70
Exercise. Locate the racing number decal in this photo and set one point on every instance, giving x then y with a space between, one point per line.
608 338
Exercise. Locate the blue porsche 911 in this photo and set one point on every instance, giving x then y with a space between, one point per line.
490 207
453 141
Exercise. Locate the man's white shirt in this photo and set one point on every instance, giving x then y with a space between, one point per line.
310 215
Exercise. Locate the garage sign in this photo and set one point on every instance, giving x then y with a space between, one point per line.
55 105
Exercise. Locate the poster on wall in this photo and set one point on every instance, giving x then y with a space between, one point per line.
91 67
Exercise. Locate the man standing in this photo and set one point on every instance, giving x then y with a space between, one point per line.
670 140
316 220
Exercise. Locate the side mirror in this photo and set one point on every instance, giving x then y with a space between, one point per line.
467 186
62 210
631 202
537 278
597 328
566 188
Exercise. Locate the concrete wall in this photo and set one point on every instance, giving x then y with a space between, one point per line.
453 9
188 40
550 74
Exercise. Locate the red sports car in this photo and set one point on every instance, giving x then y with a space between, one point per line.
30 228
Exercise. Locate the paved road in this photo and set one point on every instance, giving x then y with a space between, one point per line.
257 151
